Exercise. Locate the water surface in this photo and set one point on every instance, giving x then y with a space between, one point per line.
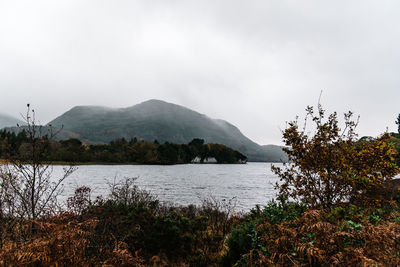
249 184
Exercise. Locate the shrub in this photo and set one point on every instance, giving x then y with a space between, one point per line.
312 240
62 241
330 166
240 241
247 236
128 193
26 178
80 201
193 235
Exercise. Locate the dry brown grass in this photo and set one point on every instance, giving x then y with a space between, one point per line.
63 241
314 241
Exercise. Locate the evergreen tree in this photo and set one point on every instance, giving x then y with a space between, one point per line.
398 123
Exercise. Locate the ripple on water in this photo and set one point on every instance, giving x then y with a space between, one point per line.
250 184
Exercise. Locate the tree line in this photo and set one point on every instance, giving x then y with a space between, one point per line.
14 145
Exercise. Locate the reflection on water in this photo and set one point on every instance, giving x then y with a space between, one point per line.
250 184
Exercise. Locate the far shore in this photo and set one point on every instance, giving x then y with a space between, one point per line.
59 163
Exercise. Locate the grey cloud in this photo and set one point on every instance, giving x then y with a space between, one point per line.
256 64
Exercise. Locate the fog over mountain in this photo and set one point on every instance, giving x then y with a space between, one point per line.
9 121
255 63
161 121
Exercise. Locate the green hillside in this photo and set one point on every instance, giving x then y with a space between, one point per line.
157 120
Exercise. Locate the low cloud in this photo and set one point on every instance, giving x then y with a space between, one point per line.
256 64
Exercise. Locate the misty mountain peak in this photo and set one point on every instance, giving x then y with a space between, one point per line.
155 120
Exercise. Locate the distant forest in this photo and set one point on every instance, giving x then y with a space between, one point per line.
120 151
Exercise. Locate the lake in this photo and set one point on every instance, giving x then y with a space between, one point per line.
250 184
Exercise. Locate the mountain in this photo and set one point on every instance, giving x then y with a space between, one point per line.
275 151
161 121
9 121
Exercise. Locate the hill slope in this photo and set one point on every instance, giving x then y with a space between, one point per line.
157 120
9 121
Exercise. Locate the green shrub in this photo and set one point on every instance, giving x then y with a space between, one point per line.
276 213
374 219
241 241
354 226
246 236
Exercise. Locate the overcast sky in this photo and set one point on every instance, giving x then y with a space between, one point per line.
256 64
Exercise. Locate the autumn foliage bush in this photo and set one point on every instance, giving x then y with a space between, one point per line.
114 233
61 241
128 228
245 237
330 166
319 238
174 235
336 205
